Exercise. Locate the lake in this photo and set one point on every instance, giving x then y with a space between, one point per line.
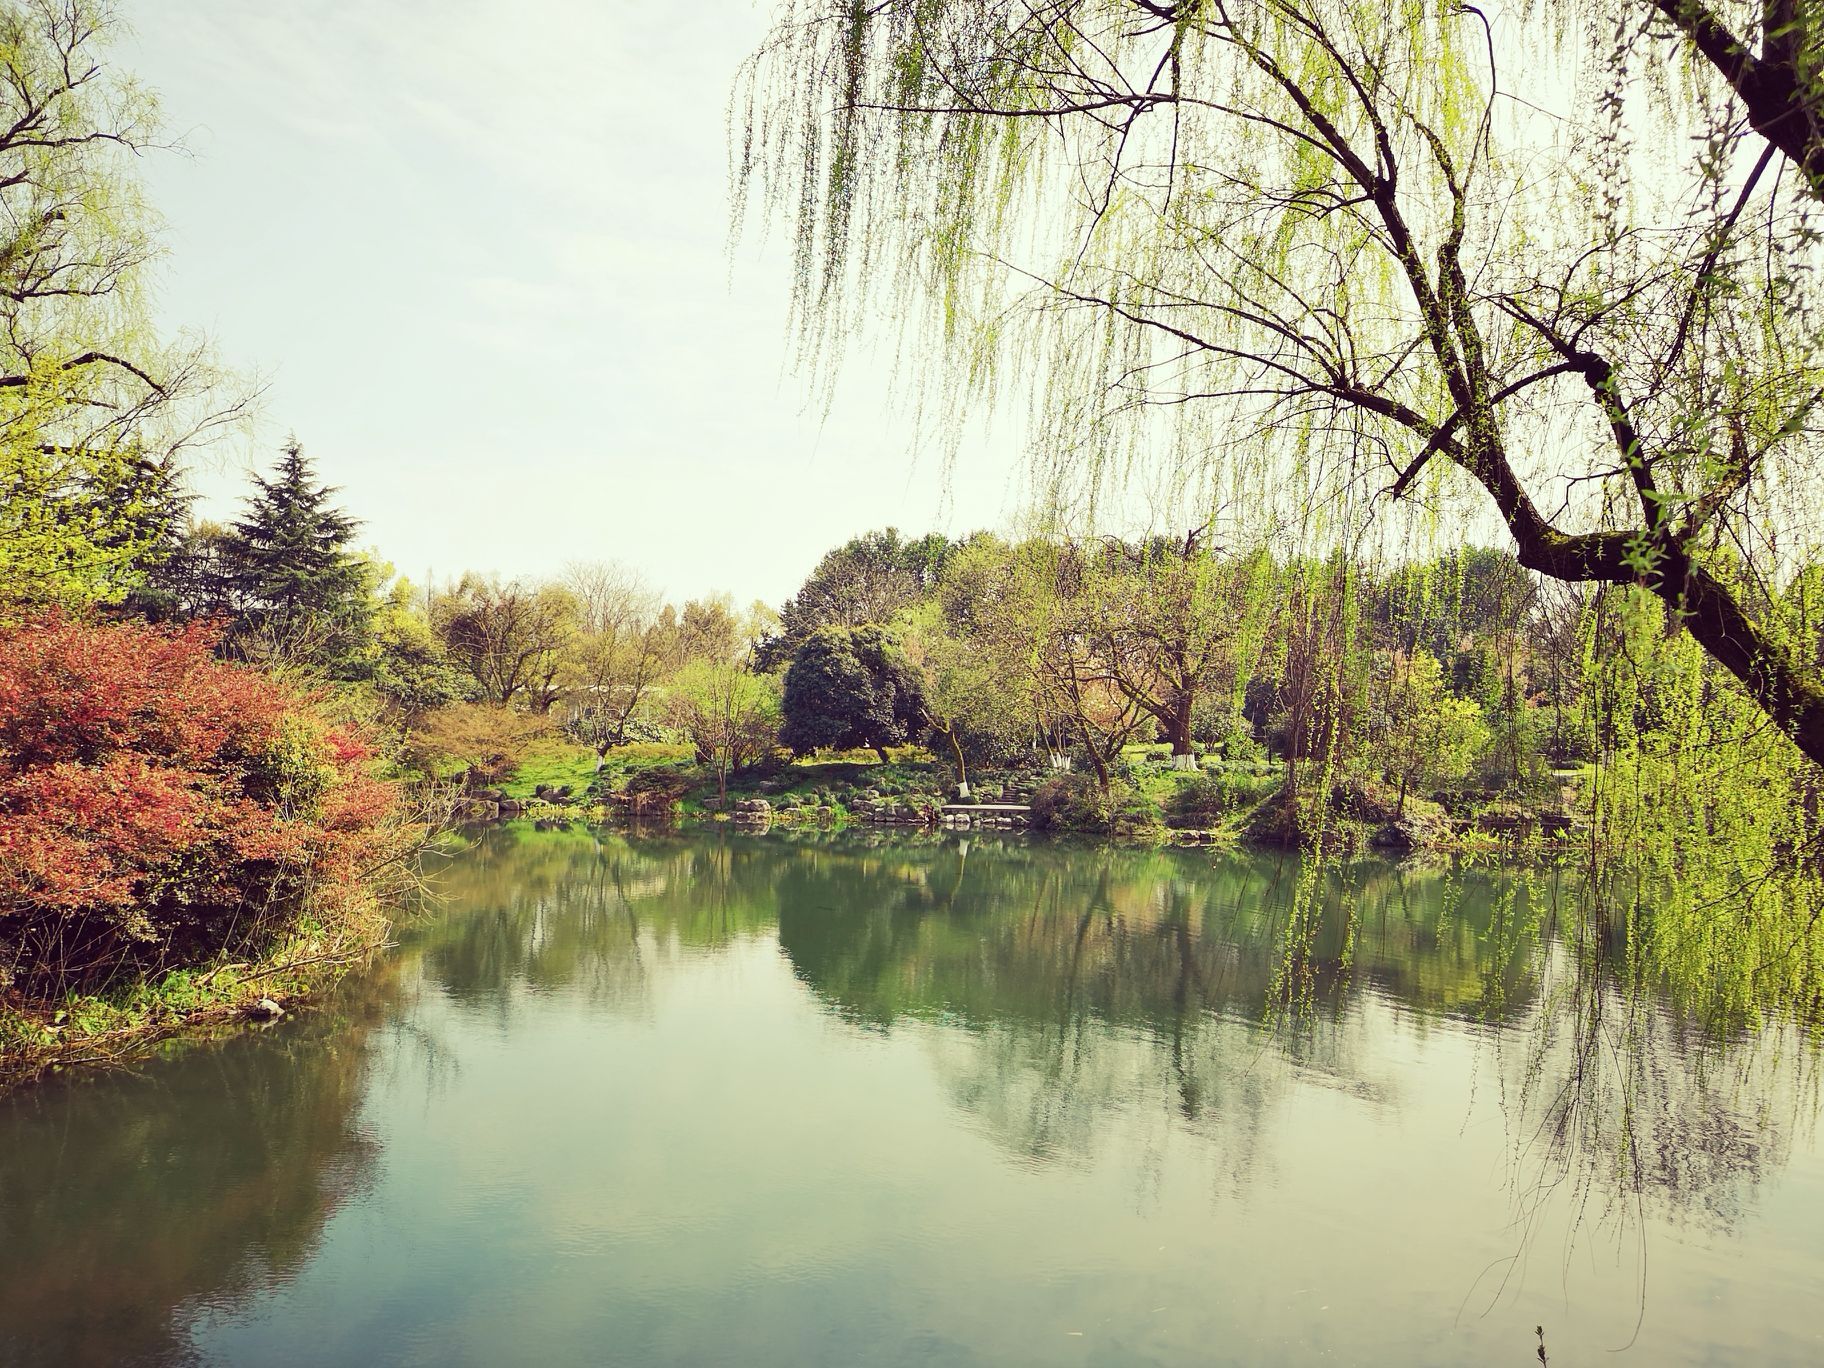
706 1099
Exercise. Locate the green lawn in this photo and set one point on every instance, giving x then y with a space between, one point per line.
552 760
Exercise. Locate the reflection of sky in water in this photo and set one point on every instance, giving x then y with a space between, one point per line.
704 1103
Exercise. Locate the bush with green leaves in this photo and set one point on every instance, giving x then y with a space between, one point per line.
851 688
665 783
1076 802
1199 801
1070 802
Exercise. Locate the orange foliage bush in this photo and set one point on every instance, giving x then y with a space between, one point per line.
159 807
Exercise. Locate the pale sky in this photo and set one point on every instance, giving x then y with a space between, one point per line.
479 251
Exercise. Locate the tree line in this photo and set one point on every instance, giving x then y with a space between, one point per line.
996 653
1065 646
1360 262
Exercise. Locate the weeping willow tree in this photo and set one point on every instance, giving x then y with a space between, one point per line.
1349 265
1380 277
94 407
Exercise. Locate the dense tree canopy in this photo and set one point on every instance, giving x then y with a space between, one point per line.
510 636
729 713
619 653
868 580
1331 259
851 687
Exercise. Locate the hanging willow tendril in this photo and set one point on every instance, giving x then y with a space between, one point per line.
1387 277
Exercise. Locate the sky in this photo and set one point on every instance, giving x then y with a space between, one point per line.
478 254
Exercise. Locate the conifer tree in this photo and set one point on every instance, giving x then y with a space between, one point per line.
303 594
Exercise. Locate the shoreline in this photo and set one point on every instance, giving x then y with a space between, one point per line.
39 1040
1535 835
113 1030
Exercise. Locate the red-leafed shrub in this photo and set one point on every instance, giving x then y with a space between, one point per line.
159 807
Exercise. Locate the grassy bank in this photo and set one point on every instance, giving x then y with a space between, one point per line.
129 1021
1147 802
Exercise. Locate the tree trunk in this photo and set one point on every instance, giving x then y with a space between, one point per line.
962 769
1776 680
1791 696
881 751
1179 732
1095 754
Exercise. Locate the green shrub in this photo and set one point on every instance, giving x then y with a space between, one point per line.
1076 802
487 742
1241 747
660 784
1197 802
1132 814
1070 802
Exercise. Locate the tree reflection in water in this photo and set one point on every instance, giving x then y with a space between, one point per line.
1169 985
129 1201
1060 996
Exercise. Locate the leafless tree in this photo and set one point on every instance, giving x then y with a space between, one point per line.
510 636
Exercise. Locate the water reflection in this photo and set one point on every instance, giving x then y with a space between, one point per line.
604 1049
1158 981
1041 949
127 1201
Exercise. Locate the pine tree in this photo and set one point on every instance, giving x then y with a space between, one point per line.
303 594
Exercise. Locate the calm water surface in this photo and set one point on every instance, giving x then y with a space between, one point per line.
692 1100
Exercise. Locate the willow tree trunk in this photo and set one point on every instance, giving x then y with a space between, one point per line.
1774 676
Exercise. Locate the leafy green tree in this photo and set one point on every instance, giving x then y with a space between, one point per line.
404 662
510 636
94 410
851 687
83 529
868 580
1353 249
730 714
619 652
1175 621
180 573
976 712
1432 736
1040 617
708 628
1313 689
